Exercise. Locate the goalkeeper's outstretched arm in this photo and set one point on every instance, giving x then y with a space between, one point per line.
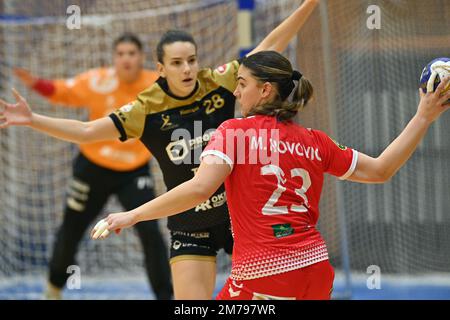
20 114
73 93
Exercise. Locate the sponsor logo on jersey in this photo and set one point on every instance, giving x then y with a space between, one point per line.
188 111
240 286
176 245
218 199
342 147
222 69
122 116
282 230
233 293
215 201
200 141
199 235
127 108
204 206
167 125
196 235
177 150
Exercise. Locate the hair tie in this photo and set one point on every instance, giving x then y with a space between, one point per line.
296 75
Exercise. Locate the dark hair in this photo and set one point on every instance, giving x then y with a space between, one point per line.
129 38
270 66
170 37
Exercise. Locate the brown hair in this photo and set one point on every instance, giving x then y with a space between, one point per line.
170 37
128 38
270 66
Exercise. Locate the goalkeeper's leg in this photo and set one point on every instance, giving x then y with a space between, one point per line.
137 191
85 199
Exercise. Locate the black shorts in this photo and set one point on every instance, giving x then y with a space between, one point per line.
200 245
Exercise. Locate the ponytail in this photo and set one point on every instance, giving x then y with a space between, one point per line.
270 66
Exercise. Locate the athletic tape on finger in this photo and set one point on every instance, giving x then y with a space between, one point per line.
99 228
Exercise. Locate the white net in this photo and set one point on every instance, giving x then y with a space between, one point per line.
34 168
268 14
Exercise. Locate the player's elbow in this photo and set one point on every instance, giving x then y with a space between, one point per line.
87 133
387 176
382 174
201 190
371 175
380 179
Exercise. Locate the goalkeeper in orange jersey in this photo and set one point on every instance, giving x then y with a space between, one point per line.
105 168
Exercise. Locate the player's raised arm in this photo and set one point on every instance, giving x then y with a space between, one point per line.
381 169
279 38
20 114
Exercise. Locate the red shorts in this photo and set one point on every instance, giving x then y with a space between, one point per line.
314 282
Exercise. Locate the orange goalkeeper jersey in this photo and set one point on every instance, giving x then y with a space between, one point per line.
101 91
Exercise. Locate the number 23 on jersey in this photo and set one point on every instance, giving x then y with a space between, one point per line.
270 208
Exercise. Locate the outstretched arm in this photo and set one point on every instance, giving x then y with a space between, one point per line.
20 114
26 77
211 174
381 169
68 92
279 38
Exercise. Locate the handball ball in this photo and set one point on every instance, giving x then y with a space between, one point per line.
433 73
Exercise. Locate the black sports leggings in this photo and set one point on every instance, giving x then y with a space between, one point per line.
88 192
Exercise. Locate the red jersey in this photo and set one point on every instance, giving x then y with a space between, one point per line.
273 191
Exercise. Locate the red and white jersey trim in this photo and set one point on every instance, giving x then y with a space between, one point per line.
352 166
219 154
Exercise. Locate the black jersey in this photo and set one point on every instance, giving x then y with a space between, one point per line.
176 130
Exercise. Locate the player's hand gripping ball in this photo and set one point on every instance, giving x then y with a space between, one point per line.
433 73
